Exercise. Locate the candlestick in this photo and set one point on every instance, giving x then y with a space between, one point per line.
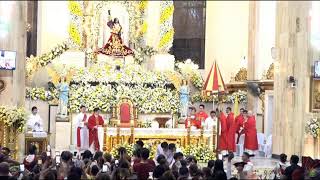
132 123
118 123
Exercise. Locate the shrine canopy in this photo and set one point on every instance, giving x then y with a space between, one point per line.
214 82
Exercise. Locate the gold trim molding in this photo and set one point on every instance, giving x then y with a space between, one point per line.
242 75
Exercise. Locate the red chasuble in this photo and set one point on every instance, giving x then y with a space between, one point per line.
93 132
223 145
193 122
239 121
232 127
250 131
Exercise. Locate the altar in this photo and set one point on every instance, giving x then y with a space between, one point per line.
153 136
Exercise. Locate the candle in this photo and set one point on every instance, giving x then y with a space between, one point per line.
132 122
118 123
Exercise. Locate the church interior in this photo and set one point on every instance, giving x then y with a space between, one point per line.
210 81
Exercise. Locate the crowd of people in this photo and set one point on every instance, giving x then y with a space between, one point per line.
168 164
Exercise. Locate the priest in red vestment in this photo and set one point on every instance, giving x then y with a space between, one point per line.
239 121
250 131
94 122
223 144
232 127
192 120
201 116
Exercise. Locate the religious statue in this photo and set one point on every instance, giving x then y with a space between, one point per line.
63 89
184 98
115 46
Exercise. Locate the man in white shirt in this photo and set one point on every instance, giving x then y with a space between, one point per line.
211 121
35 122
82 132
163 149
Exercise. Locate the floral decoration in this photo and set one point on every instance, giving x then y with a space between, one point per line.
190 70
74 34
226 98
14 117
35 63
313 127
114 151
166 27
201 152
41 94
141 54
75 8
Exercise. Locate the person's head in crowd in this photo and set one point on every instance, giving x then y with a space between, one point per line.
184 171
193 170
201 108
191 160
51 175
97 155
245 157
239 166
34 110
233 178
178 156
172 147
212 114
94 170
230 156
137 153
160 157
140 144
87 155
107 157
210 164
66 156
218 165
73 176
206 172
164 146
145 153
184 163
241 111
36 169
121 152
83 108
32 150
228 110
168 176
4 169
294 160
103 176
158 171
96 111
5 151
283 158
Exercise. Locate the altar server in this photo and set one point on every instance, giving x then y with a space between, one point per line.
35 122
250 131
192 120
95 121
201 116
232 127
211 121
82 132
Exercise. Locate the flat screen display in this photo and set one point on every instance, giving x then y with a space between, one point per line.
7 60
317 69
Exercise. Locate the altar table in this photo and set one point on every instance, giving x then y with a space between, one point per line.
154 136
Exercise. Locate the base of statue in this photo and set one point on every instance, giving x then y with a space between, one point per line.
115 60
62 118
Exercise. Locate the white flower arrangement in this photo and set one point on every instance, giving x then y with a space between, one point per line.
201 152
142 53
190 70
229 98
13 117
41 94
313 127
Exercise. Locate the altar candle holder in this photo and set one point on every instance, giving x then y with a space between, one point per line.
132 131
105 138
118 132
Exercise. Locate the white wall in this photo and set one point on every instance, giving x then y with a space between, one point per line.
226 35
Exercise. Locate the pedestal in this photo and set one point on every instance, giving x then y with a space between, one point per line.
40 142
162 121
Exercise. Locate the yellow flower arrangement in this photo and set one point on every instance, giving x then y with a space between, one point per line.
166 14
142 5
12 116
166 38
75 8
143 28
74 34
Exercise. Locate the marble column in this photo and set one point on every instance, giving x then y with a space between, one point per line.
293 59
14 40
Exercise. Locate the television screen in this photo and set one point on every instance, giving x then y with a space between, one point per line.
7 60
317 69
